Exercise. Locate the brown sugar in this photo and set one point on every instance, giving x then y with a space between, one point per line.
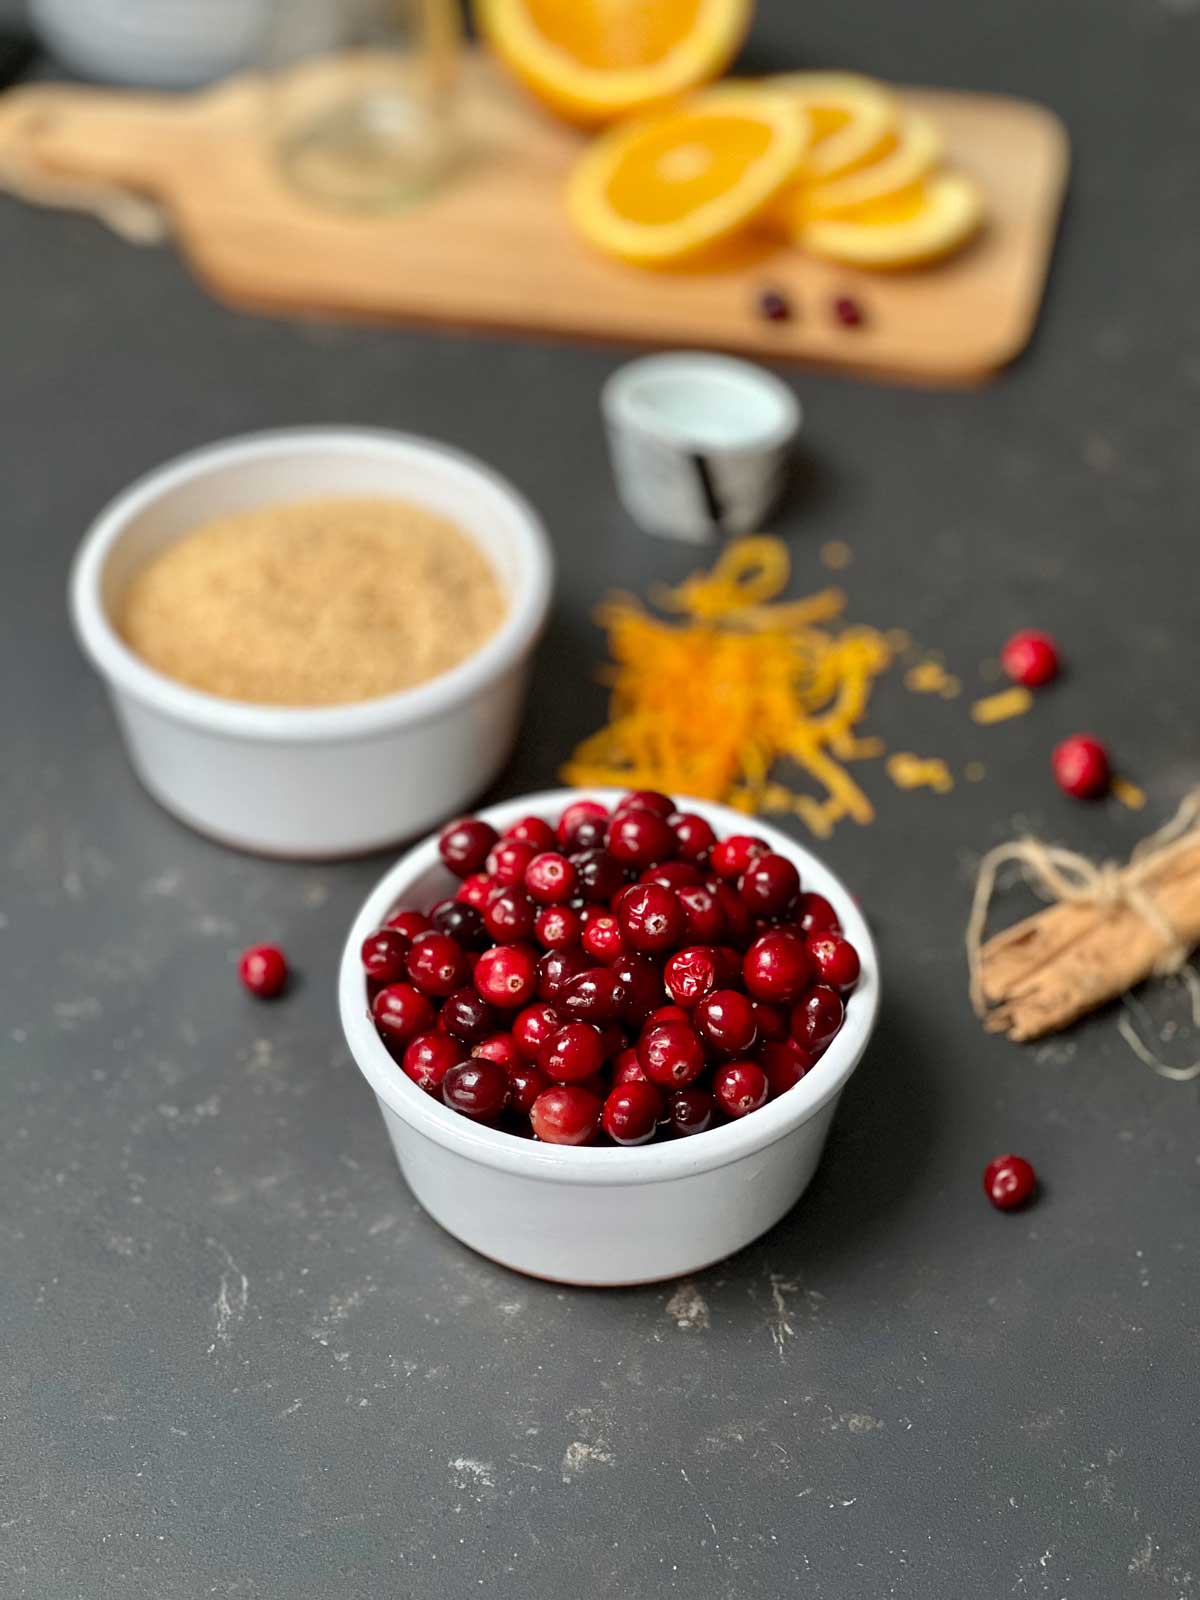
314 603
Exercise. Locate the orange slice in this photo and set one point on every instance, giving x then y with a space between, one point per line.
665 187
908 155
928 220
851 118
595 60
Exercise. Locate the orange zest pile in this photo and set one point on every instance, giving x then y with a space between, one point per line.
721 702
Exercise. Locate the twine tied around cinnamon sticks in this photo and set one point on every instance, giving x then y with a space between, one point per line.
1110 926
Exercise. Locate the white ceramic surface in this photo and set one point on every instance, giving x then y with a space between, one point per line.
170 44
604 1216
334 780
701 445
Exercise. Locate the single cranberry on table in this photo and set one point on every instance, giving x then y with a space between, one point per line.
1030 657
384 954
777 967
631 1113
534 831
500 1048
466 844
400 1012
574 817
651 917
525 1083
508 860
671 1054
731 857
477 1088
467 1017
706 921
694 836
817 1016
565 1114
533 1027
263 969
1009 1181
437 964
834 959
689 1111
463 923
784 1064
740 1087
602 938
428 1058
769 885
1081 767
598 875
652 800
507 975
596 995
572 1054
640 839
476 890
725 1019
814 914
557 926
550 878
556 969
409 923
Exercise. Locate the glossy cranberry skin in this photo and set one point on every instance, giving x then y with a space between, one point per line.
467 1017
384 954
1009 1182
689 1111
671 1054
703 914
476 890
408 924
816 1017
773 305
691 974
769 885
557 926
814 914
668 1013
477 1088
507 975
652 800
639 839
565 1114
465 845
437 965
694 837
509 916
631 1113
626 1068
1030 657
834 960
557 968
598 875
725 1020
593 996
534 831
739 919
550 879
500 1048
774 1022
784 1064
525 1083
463 923
740 1087
602 938
508 860
428 1058
732 856
674 875
263 968
642 982
573 818
776 967
652 920
1081 767
848 311
401 1012
534 1027
572 1054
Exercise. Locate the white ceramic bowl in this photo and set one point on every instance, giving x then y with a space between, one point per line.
334 780
168 43
605 1216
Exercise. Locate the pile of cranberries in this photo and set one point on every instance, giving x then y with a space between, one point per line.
622 975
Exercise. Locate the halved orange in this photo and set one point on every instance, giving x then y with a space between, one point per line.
595 60
851 117
908 155
666 186
924 222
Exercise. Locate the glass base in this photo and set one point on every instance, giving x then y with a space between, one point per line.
377 152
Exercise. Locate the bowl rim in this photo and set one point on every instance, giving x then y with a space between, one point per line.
127 673
652 1163
620 400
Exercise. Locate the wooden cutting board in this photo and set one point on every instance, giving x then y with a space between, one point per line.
493 249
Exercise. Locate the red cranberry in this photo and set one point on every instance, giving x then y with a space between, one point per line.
773 1022
784 1064
550 878
726 1020
477 1089
574 816
534 831
740 1087
594 996
1008 1182
476 890
691 974
462 922
384 954
465 845
591 834
834 959
689 1111
814 914
509 916
574 1053
694 836
602 938
263 968
776 967
598 875
466 1016
409 923
732 856
702 909
774 306
674 875
626 1068
671 1013
1030 657
671 1054
817 1017
643 986
500 1048
428 1058
631 1113
508 861
507 975
1081 767
557 926
557 968
638 839
436 964
848 311
769 885
524 1085
651 918
659 805
739 920
565 1114
533 1027
400 1013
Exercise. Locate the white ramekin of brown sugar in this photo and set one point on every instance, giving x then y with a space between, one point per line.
327 780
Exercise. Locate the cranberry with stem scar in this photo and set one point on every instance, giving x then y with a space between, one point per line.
465 845
834 959
437 965
740 1087
477 1088
689 1111
671 1054
651 918
602 938
631 1113
507 975
565 1114
263 968
557 926
706 921
550 878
